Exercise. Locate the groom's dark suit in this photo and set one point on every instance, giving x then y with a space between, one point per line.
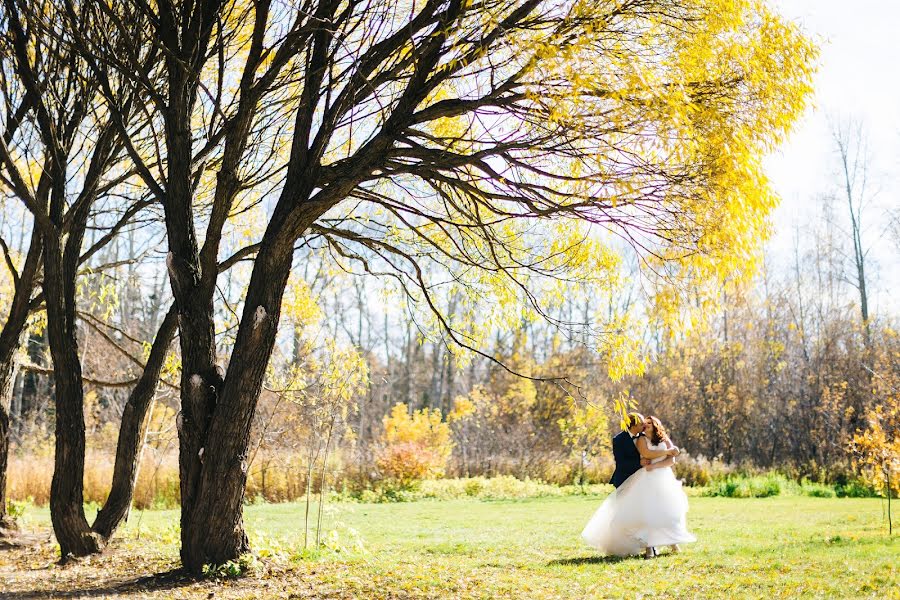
628 459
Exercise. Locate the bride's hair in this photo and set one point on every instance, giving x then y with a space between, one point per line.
659 432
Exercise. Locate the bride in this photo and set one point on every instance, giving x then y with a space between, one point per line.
646 511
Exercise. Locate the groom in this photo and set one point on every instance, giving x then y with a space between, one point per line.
629 459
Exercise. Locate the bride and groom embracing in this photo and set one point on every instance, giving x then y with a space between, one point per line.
648 507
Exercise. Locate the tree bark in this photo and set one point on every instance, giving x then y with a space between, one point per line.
192 271
66 489
132 431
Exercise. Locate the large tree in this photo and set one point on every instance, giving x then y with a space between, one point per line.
498 144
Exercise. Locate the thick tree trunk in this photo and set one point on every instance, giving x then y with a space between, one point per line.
212 515
192 278
62 233
201 382
132 431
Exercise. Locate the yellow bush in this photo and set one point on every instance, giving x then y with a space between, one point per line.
415 446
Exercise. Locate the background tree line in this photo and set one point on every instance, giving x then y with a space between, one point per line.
779 375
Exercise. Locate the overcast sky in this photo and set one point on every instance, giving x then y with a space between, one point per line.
859 78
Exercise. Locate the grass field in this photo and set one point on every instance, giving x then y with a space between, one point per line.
783 547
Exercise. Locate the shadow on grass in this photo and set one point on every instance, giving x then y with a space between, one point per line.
590 560
167 580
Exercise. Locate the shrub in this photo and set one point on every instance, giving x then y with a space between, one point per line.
700 471
232 569
415 446
854 489
473 487
16 508
600 470
761 486
816 490
775 484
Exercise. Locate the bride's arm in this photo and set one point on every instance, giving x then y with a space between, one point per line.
647 452
669 462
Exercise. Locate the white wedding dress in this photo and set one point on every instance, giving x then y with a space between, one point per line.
649 509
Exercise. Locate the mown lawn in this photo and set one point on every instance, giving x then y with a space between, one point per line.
783 547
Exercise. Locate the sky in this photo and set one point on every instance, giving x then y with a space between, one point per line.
858 78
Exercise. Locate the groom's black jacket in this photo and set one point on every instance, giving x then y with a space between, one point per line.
628 459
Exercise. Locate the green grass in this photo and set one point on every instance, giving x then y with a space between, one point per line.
781 547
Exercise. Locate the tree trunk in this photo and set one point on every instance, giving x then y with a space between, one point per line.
192 274
323 484
132 431
66 490
212 519
62 255
437 376
852 168
201 383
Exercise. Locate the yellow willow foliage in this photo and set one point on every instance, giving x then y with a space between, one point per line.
621 346
670 108
344 375
99 298
452 129
300 307
586 428
676 82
